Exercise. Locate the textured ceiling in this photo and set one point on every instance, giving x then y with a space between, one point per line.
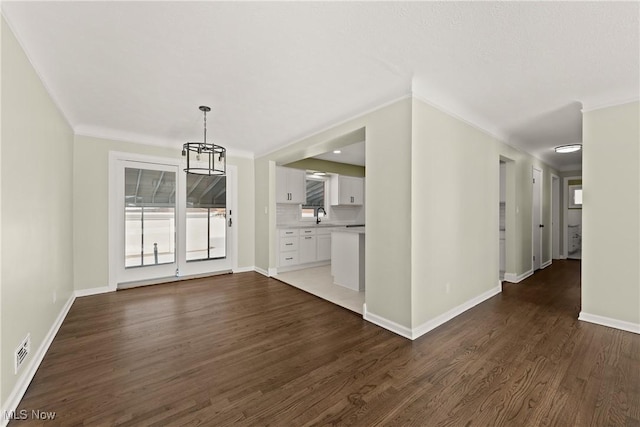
274 72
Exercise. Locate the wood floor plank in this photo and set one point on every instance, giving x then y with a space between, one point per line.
244 349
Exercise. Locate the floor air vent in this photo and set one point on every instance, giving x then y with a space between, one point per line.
22 351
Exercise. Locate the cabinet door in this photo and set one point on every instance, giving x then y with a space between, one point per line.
357 191
282 190
347 190
307 249
297 182
291 186
344 190
324 247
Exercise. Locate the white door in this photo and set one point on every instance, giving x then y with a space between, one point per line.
536 221
165 223
206 226
146 213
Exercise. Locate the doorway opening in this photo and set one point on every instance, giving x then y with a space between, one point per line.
555 217
573 217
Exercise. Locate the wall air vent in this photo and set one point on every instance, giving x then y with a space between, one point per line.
22 351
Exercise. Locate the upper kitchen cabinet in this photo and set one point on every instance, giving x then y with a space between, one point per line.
347 190
290 185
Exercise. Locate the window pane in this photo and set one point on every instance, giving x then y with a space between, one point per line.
217 240
315 198
577 197
149 217
197 233
206 217
133 237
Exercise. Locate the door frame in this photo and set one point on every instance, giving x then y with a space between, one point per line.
565 213
116 238
555 217
536 227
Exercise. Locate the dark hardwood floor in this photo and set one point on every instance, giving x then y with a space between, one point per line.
243 349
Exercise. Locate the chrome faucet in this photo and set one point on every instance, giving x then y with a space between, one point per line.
318 214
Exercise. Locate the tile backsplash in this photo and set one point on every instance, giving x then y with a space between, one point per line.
289 215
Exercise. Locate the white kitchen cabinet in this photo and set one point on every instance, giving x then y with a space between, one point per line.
307 246
291 186
347 258
288 248
347 190
324 247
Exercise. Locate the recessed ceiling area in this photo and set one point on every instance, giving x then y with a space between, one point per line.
274 72
353 154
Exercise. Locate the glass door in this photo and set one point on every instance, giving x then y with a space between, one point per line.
147 217
208 224
164 223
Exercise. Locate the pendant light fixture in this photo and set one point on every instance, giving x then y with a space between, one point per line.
568 148
203 158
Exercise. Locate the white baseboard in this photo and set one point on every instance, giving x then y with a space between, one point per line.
456 311
244 269
261 271
387 324
429 325
93 291
609 322
272 271
514 278
31 368
546 264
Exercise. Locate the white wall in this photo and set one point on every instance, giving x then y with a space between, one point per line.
455 211
611 216
432 192
91 206
37 211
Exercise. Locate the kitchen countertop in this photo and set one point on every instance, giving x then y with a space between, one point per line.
357 230
321 225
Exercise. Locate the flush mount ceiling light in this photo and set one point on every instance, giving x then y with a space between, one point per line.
568 148
203 158
337 151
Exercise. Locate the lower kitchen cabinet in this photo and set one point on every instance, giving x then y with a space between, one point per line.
307 248
324 247
304 247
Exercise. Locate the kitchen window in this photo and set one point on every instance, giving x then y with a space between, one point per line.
316 188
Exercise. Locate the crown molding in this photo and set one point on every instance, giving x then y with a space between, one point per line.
334 125
587 107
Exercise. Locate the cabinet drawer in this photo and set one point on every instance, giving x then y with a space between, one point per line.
307 232
288 258
288 232
288 244
324 231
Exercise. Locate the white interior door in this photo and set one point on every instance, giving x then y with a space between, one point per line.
536 221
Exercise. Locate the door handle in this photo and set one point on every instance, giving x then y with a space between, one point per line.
541 225
230 222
